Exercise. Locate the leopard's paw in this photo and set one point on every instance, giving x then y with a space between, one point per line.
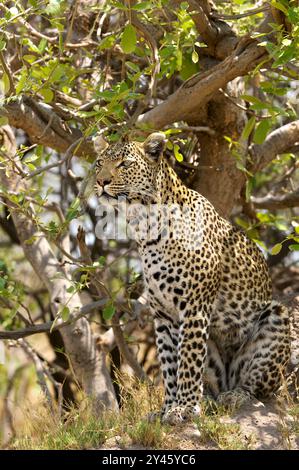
180 414
234 398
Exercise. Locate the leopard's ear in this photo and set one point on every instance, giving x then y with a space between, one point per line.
100 144
154 145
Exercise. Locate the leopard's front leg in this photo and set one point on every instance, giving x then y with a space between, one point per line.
192 352
167 339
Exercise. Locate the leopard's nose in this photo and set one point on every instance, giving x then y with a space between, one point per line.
103 182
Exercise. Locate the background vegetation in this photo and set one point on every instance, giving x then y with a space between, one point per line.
221 79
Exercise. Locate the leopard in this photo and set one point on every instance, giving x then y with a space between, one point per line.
219 332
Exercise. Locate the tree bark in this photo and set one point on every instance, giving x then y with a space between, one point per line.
220 180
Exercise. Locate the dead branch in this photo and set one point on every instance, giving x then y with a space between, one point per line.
277 201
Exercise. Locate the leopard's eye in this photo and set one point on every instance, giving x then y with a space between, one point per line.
125 164
99 164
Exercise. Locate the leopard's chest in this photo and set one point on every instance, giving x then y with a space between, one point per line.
162 281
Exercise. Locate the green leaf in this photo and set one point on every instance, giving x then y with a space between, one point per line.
281 225
2 44
128 39
142 6
64 313
260 243
261 131
249 186
194 57
179 157
179 59
251 99
47 94
30 240
3 266
2 283
102 260
248 128
189 68
42 45
23 81
53 7
107 42
29 58
294 247
31 166
58 72
71 289
108 311
279 6
241 167
73 210
276 249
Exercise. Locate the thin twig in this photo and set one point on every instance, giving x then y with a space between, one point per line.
53 325
37 34
70 28
183 128
12 89
69 153
41 169
47 126
29 351
253 11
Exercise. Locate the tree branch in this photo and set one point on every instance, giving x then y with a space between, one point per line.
277 142
45 127
275 202
195 92
52 325
200 12
240 56
252 11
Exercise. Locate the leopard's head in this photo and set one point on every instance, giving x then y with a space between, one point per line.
129 168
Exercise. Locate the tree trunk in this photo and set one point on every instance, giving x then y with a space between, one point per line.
219 180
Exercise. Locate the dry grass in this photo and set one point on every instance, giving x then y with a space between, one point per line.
225 435
80 429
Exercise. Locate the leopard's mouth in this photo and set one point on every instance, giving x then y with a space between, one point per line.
104 191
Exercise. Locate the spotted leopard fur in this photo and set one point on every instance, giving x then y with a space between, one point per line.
218 330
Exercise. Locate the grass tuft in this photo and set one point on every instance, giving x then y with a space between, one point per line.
149 435
78 429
